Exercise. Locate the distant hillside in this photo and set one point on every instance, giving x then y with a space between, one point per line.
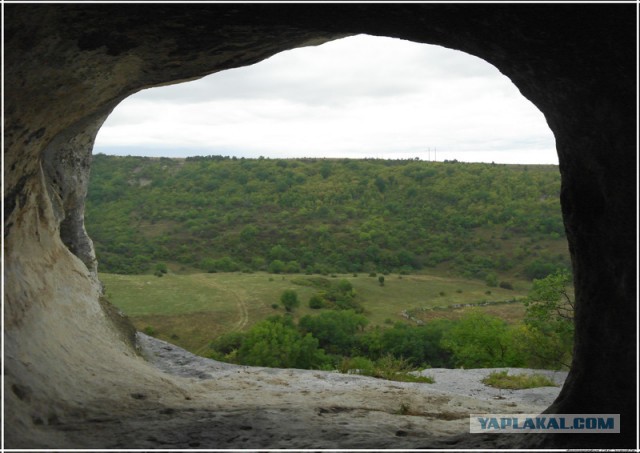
324 216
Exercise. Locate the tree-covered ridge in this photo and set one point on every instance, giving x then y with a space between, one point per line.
323 216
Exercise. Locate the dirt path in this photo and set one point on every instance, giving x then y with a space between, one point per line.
243 309
241 303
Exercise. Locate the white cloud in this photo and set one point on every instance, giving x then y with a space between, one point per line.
357 97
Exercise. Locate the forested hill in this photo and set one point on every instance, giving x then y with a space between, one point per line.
325 216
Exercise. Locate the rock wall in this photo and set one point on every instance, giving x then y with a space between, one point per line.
67 66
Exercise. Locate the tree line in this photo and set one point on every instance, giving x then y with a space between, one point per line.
341 339
221 214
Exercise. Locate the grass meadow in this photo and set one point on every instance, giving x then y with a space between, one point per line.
190 310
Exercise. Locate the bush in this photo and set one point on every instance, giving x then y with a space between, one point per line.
335 330
149 330
506 285
501 380
289 299
479 340
418 345
394 369
276 266
227 343
356 365
491 280
316 302
276 343
161 268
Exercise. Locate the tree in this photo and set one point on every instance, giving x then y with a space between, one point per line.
335 330
548 324
481 341
419 345
276 266
380 184
325 170
381 280
549 300
289 299
276 343
345 286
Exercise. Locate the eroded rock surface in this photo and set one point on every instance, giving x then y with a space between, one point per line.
68 65
231 406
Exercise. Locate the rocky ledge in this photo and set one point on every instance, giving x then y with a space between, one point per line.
255 407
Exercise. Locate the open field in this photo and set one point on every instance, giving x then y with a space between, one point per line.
190 310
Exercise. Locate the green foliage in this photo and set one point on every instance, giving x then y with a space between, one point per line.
335 295
544 266
161 268
418 345
276 343
289 300
387 367
228 343
491 280
549 301
356 365
506 285
502 380
481 341
276 266
381 280
225 264
335 330
547 334
149 330
316 302
324 216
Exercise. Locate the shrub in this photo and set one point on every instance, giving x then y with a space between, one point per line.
491 280
276 266
149 330
506 285
335 330
479 340
161 268
289 299
501 380
316 302
394 369
276 343
227 343
356 365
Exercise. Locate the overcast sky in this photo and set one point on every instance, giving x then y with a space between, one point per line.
356 97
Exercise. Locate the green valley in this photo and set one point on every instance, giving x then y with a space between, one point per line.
191 310
321 216
374 265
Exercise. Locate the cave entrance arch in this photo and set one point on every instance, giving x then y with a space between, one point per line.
67 66
296 71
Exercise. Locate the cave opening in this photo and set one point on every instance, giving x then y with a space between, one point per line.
159 235
66 66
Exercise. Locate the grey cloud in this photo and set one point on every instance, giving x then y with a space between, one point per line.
330 80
